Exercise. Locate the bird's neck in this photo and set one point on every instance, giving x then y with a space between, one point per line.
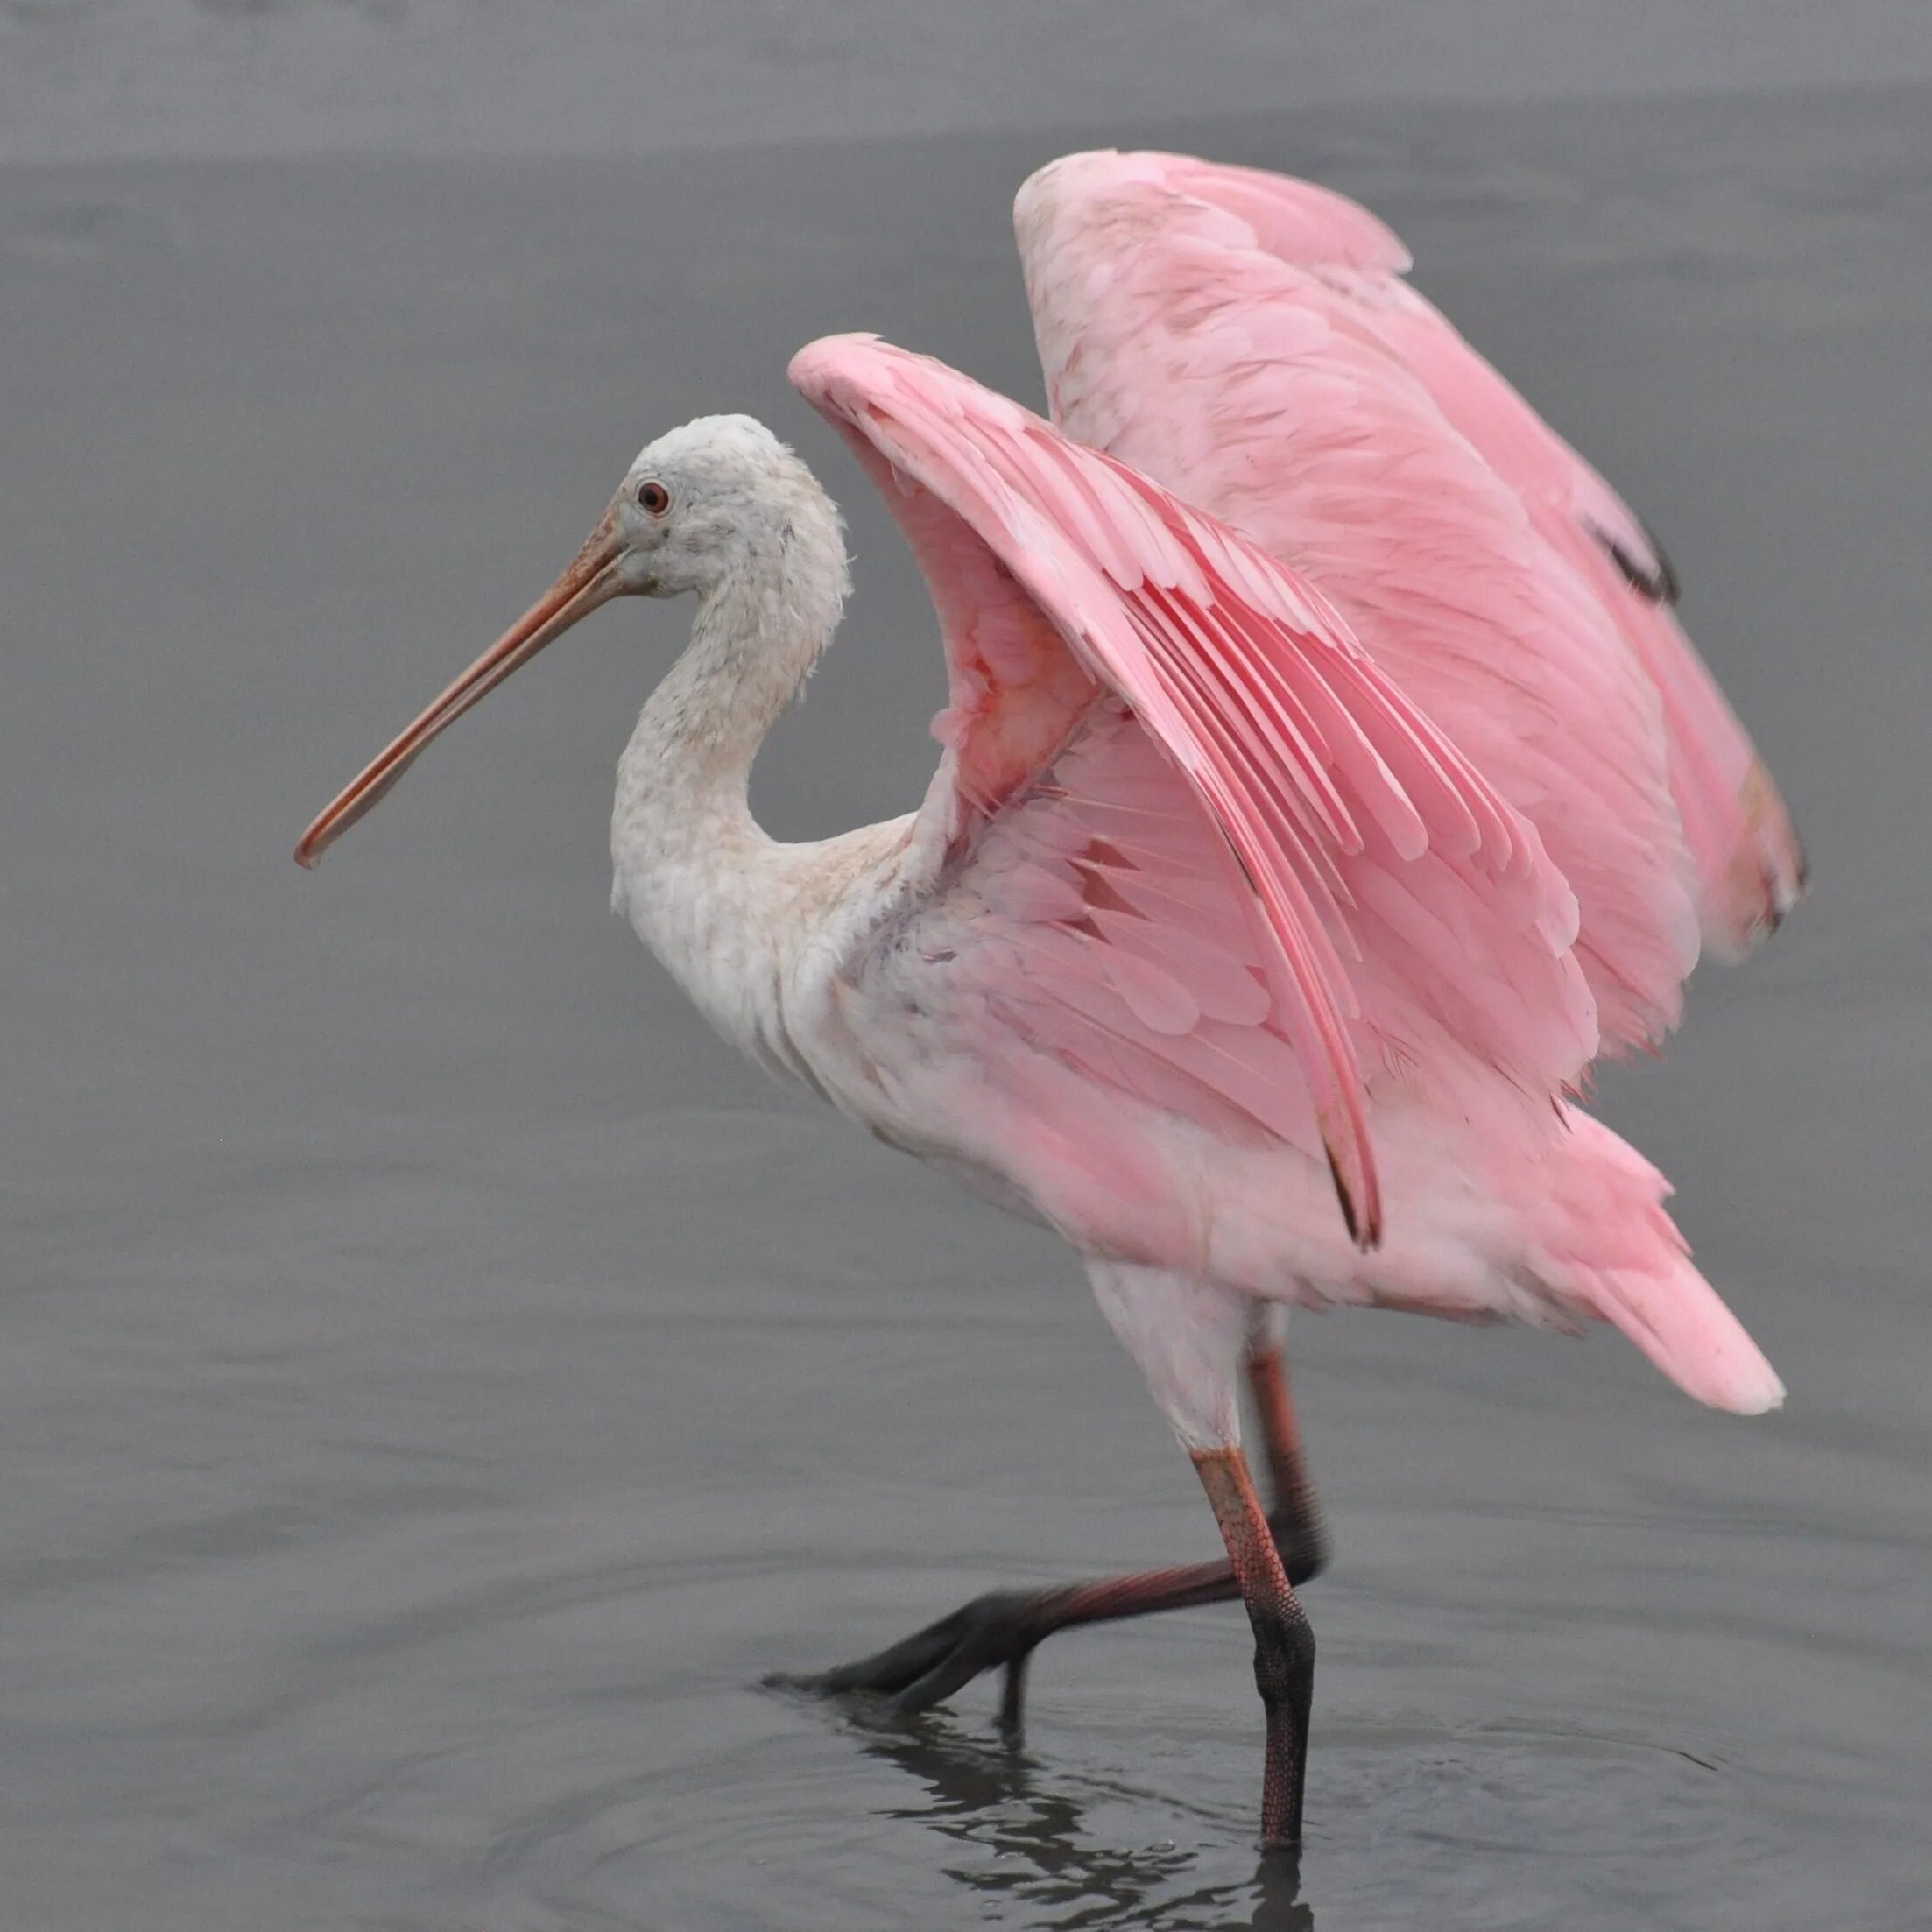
706 888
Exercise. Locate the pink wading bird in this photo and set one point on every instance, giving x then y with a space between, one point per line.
1298 840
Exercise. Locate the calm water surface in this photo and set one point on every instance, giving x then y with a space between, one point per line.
437 1381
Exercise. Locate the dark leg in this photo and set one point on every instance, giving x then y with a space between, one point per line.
1004 1627
1284 1644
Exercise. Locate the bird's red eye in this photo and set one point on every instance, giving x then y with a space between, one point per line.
655 498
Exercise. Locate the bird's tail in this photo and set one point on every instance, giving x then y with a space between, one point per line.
1612 1252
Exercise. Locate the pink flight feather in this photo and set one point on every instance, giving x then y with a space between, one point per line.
1248 338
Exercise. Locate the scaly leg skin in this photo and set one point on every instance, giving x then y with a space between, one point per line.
1003 1627
1295 1520
1284 1644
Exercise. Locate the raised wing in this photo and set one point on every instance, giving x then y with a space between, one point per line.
1187 810
1751 869
1248 340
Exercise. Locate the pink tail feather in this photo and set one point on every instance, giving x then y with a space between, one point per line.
1621 1258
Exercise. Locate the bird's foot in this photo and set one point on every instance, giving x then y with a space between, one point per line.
1000 1629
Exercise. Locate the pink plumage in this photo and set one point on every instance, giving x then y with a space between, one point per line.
1249 339
1324 782
1260 703
1176 780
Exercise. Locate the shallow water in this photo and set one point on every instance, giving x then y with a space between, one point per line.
436 1382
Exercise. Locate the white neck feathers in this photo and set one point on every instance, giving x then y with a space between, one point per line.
707 889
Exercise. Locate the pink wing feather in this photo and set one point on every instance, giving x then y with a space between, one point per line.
1248 340
1749 867
1213 854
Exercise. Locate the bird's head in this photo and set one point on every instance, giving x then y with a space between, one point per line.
718 501
706 502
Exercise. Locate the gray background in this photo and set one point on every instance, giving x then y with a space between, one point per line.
436 1380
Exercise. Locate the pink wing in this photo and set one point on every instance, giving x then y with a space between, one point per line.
1248 340
1751 869
1202 846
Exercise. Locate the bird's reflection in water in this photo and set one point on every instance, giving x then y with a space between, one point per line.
997 1800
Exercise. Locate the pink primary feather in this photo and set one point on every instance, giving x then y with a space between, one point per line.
1247 339
1750 866
1174 781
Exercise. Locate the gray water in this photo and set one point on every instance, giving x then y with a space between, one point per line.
436 1380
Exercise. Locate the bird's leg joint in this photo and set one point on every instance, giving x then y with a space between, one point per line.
1300 1539
1284 1659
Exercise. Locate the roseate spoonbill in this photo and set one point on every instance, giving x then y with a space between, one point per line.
1211 946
